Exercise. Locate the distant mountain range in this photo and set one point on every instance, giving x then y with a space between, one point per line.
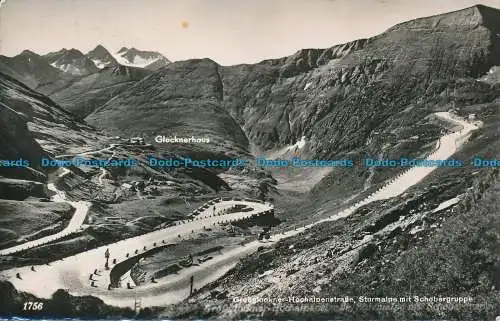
71 61
37 70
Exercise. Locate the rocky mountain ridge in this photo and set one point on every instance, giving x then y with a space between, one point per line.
30 68
101 57
52 71
71 61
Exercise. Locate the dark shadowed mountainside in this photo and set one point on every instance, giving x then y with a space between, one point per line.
30 68
83 95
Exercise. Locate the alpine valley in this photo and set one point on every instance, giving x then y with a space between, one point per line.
239 242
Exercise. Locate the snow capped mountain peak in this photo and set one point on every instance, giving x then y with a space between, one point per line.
151 60
101 57
72 61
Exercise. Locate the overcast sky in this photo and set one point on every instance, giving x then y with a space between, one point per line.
228 31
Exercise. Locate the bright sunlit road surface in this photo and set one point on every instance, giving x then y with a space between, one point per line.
73 272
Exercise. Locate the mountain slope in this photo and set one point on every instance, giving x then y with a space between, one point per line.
101 57
182 99
83 95
52 127
364 83
30 68
16 141
438 239
366 98
27 121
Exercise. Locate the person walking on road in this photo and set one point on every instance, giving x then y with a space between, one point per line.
106 255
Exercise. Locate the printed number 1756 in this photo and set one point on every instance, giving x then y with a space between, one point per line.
33 306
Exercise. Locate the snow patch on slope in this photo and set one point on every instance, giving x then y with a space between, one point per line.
136 62
98 63
69 68
285 151
492 76
298 145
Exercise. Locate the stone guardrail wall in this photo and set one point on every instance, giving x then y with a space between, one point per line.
34 244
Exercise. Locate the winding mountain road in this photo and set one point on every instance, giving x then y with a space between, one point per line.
81 208
73 273
74 225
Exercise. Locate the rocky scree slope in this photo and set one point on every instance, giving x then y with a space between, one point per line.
50 125
338 97
31 127
383 249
